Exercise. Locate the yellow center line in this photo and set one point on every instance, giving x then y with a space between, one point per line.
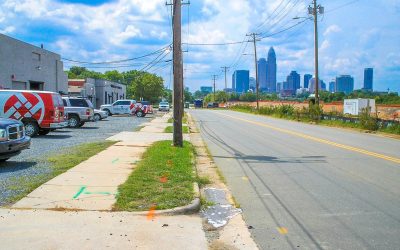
312 138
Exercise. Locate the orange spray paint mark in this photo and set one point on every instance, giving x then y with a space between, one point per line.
151 213
163 179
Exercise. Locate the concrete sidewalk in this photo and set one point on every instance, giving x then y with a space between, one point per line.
93 184
73 210
44 229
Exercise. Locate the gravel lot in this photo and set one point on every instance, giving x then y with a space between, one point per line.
31 161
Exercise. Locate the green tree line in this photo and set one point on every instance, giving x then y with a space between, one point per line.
140 85
327 97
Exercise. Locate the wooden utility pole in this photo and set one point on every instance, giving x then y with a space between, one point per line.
178 73
214 78
254 40
314 10
225 69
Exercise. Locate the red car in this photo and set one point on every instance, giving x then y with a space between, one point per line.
39 111
141 109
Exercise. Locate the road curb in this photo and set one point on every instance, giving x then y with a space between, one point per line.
191 208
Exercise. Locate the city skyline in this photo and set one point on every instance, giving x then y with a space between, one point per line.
110 30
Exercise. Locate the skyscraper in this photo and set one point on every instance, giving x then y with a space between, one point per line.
332 86
271 71
262 74
323 85
240 81
311 85
307 78
293 81
252 83
344 83
368 78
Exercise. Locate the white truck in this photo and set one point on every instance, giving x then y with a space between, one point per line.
355 106
119 107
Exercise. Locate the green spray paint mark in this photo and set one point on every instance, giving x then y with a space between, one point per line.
79 192
115 160
104 193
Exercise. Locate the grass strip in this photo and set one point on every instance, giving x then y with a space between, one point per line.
330 123
170 129
162 179
184 119
59 164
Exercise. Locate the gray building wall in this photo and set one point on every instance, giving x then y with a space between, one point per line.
87 90
108 92
24 66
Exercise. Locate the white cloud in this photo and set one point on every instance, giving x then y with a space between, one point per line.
332 29
8 30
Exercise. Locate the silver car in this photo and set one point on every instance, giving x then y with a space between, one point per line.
99 115
163 106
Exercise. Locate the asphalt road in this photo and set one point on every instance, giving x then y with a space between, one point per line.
304 186
31 162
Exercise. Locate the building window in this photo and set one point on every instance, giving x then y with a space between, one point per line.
36 56
105 98
36 85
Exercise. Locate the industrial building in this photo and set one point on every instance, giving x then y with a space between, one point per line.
25 66
98 91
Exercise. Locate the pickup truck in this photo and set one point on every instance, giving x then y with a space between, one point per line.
12 138
78 111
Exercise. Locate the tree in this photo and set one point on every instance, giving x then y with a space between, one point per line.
114 76
147 87
188 96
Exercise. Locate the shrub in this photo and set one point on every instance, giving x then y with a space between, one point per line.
367 121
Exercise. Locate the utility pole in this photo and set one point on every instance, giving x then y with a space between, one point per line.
178 73
254 40
214 78
225 69
314 10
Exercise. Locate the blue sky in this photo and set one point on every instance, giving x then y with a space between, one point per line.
352 34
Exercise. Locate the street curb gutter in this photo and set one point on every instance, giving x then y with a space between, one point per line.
191 208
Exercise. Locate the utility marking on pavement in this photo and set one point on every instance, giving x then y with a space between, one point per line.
115 160
312 138
79 192
282 230
104 193
245 178
150 214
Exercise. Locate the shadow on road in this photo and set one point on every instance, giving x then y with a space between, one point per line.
272 159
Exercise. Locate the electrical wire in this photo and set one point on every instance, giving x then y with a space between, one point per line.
269 17
120 61
342 6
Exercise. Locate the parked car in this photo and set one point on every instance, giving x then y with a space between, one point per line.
99 115
141 110
39 111
78 111
163 106
198 103
12 138
119 107
147 106
212 105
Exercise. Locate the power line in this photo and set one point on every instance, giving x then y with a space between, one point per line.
286 29
269 17
342 6
120 61
213 44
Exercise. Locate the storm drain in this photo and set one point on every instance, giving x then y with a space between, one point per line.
218 214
